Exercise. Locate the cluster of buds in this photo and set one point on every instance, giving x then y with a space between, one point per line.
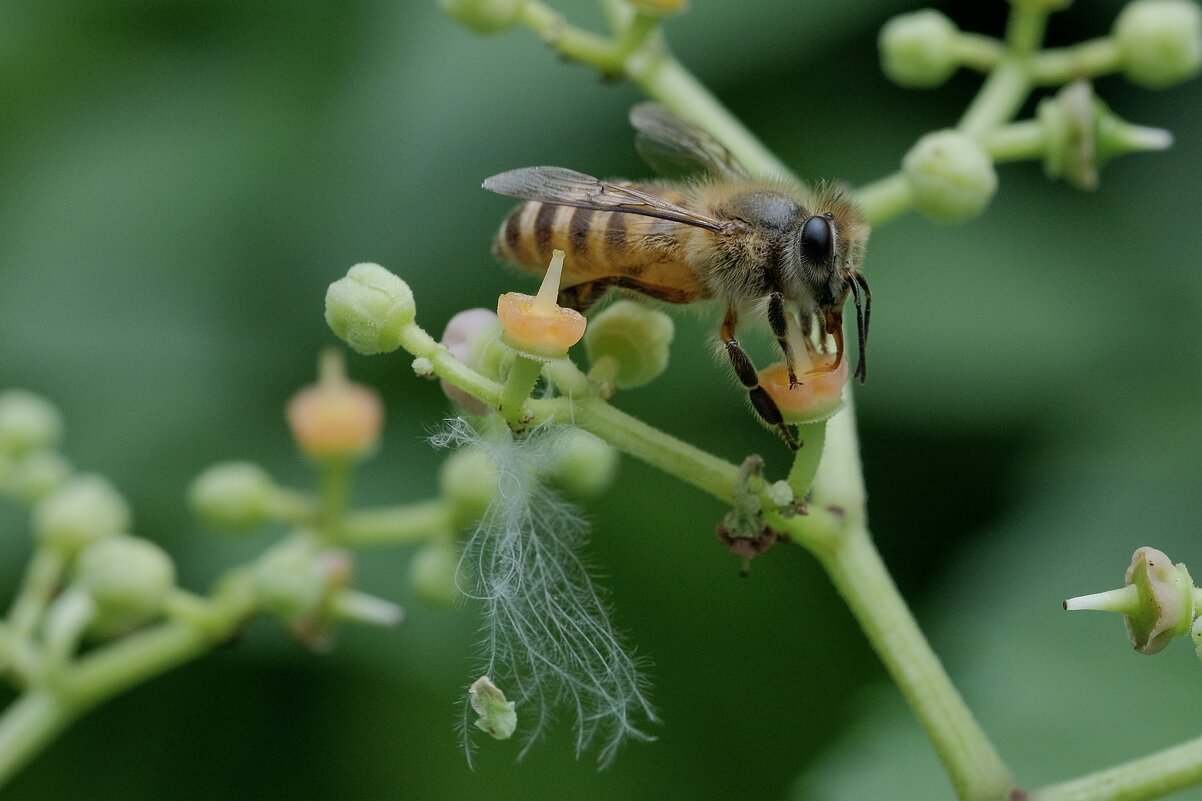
30 430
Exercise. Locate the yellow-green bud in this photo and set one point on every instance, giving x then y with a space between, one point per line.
369 308
85 510
585 465
35 475
432 573
484 16
27 422
468 480
636 337
919 49
951 177
1160 41
128 578
232 495
497 716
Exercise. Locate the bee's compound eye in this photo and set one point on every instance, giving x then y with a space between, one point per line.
816 240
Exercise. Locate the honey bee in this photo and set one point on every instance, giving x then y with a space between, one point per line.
760 247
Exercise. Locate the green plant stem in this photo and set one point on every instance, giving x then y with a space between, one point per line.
812 438
1140 779
42 575
335 481
884 199
419 343
27 726
1000 98
629 434
854 566
978 52
1086 60
523 375
1018 141
415 522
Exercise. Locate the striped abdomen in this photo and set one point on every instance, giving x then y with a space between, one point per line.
603 249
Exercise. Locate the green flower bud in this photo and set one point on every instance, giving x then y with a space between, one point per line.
1081 133
36 475
951 177
468 480
85 510
498 717
27 422
919 49
484 16
635 337
369 308
432 573
1195 634
1157 602
1160 41
290 582
128 578
232 495
585 465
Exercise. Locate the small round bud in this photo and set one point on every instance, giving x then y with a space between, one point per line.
289 582
335 418
636 337
951 177
1160 41
497 716
85 510
659 8
467 336
585 465
484 16
468 481
27 422
369 308
128 578
536 325
919 49
37 474
816 398
1166 600
432 573
232 495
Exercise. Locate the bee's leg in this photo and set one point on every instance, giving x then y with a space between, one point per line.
780 329
764 406
582 296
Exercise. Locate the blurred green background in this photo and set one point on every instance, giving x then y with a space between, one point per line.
181 179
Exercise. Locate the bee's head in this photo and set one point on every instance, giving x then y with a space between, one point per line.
827 247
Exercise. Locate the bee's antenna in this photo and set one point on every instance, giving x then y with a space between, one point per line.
863 317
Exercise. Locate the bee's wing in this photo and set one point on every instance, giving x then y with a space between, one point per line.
675 147
566 187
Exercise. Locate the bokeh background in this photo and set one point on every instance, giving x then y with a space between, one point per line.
181 179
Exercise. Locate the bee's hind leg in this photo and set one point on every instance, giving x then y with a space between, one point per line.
764 406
